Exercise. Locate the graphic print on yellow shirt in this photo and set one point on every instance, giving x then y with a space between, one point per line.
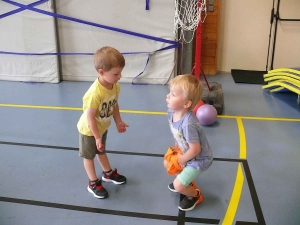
102 99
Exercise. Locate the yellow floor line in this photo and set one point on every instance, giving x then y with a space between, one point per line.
76 109
243 153
143 112
148 112
39 107
239 180
235 198
260 118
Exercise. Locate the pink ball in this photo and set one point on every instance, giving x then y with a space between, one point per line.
207 114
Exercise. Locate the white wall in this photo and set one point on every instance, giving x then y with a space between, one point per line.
244 34
27 32
32 32
127 15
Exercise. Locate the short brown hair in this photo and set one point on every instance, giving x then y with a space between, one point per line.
191 87
107 57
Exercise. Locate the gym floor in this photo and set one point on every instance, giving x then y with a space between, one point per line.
254 178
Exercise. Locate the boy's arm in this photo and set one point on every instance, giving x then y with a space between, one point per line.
121 126
117 116
176 144
193 151
91 117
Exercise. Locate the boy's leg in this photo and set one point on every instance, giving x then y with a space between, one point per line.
171 185
87 151
90 168
102 157
182 185
172 188
188 191
109 175
165 164
104 162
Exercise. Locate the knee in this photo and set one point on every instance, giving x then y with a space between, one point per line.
178 186
166 164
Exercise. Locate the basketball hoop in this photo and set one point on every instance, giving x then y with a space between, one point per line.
187 17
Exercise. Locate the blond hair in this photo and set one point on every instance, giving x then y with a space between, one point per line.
191 87
107 58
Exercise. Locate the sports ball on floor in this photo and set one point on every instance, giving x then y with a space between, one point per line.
207 114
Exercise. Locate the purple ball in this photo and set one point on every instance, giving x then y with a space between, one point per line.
206 114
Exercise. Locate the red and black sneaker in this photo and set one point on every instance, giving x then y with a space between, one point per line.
97 190
114 177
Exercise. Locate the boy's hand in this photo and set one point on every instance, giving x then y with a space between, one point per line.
99 145
181 160
121 126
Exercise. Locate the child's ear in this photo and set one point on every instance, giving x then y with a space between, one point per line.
100 72
188 104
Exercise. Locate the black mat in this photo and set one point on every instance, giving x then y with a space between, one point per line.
248 76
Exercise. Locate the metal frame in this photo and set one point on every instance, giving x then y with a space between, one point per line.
277 18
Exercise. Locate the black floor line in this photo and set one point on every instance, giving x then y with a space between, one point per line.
258 210
107 211
181 214
108 151
246 223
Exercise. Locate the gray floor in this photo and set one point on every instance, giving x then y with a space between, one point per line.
43 181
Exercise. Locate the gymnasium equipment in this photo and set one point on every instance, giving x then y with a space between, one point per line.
187 17
206 114
191 15
283 79
248 76
213 95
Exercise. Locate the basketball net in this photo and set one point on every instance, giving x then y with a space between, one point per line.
187 17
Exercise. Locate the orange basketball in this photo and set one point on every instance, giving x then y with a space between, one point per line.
200 103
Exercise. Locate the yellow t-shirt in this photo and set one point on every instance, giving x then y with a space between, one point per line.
102 99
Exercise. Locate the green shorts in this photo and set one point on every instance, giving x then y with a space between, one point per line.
187 175
87 146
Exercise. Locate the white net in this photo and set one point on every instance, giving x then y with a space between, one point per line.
187 17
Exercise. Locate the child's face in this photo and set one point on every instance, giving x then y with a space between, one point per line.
176 99
112 76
